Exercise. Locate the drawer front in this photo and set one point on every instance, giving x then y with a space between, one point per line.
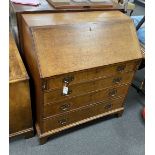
82 76
83 100
83 113
83 88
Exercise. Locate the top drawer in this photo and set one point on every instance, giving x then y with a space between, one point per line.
86 75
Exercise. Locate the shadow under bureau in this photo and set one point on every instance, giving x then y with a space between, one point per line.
82 65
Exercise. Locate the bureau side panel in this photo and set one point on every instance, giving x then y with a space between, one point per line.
30 60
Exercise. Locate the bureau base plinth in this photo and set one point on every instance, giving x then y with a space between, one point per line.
44 137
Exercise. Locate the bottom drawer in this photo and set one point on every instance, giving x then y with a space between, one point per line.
83 113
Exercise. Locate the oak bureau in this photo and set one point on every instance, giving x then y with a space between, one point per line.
82 65
20 115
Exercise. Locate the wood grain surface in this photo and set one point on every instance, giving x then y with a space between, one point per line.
16 11
76 102
80 114
45 6
76 4
95 54
43 19
85 45
91 74
17 69
20 114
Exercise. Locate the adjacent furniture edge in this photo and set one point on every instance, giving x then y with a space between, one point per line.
28 133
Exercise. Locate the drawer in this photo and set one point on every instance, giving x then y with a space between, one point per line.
80 114
86 75
83 100
83 88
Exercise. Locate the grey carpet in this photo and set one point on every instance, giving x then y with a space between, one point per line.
110 136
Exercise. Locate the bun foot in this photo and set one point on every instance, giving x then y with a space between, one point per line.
43 140
119 114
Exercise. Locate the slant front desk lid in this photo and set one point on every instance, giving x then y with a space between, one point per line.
68 42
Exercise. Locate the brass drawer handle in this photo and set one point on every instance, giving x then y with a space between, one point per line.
62 121
117 80
68 79
64 107
108 106
121 68
113 92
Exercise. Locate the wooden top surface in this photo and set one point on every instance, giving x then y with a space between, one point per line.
46 7
17 71
75 4
43 19
79 41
